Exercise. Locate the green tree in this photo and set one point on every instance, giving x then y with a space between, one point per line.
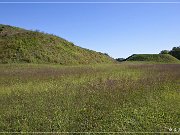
175 52
120 59
164 52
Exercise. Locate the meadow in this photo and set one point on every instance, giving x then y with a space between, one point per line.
127 97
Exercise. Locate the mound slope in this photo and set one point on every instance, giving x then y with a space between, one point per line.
18 45
164 58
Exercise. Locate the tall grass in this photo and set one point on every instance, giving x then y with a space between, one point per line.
96 98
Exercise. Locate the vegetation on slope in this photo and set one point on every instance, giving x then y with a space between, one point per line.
174 52
163 58
101 98
23 46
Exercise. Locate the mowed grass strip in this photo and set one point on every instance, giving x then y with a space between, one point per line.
94 98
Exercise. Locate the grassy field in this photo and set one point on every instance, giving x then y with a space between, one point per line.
96 98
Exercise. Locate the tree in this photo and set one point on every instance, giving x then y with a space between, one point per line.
175 52
106 54
120 59
164 52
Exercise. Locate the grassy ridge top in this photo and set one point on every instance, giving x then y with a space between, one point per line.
18 45
163 58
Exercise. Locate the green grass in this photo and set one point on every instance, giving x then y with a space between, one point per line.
153 58
24 46
91 98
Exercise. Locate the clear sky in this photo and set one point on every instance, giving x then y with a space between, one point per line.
117 29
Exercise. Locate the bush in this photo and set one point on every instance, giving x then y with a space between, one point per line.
164 52
120 59
175 52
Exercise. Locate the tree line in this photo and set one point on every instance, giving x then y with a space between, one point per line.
174 52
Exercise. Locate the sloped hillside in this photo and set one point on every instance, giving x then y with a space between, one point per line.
18 45
163 58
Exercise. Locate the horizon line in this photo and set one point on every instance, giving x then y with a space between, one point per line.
78 2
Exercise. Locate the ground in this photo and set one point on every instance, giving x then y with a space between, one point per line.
133 97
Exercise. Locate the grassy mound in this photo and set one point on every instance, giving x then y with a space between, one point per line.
24 46
163 58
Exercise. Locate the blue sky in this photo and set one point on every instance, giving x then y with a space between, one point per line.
117 29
